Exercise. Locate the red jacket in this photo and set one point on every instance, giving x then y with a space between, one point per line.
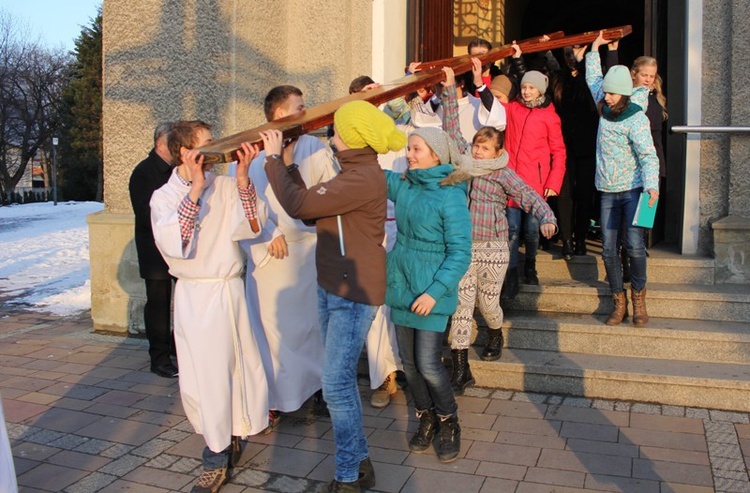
536 150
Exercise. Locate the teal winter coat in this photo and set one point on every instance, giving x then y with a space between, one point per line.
433 247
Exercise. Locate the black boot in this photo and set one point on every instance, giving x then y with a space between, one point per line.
449 438
320 408
529 272
494 348
428 424
510 286
544 243
580 249
567 249
461 377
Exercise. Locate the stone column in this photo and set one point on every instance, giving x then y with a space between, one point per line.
732 232
213 60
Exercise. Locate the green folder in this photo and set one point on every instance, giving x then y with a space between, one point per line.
644 215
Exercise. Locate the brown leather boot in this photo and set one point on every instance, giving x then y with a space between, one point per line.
640 316
620 311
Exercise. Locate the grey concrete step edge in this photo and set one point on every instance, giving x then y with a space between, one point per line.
666 270
665 300
658 340
728 395
596 258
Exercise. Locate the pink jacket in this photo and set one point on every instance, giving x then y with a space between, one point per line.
534 141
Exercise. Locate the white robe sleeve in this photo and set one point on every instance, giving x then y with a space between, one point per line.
166 225
495 117
422 116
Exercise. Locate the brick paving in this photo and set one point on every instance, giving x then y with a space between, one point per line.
84 414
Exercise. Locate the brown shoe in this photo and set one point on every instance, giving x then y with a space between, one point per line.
274 418
211 481
366 475
640 315
620 312
382 395
337 487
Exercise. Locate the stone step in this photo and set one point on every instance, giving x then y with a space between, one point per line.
720 302
663 266
670 382
663 338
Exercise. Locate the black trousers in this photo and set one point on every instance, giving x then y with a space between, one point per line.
157 316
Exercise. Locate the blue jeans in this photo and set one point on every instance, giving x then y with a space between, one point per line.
530 234
428 380
344 325
216 460
617 212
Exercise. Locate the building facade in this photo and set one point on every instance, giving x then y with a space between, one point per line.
215 60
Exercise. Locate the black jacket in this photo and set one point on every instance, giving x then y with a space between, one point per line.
469 87
147 177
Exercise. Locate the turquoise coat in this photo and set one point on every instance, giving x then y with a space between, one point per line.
433 246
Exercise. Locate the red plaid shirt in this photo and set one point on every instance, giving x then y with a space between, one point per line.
187 212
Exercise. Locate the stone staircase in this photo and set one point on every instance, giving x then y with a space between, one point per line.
694 352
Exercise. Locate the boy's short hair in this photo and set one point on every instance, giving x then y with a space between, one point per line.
276 98
478 42
360 83
183 134
488 134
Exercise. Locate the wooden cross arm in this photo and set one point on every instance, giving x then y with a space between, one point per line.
225 149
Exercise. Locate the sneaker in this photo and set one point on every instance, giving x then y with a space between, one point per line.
274 417
382 395
211 481
449 439
236 451
337 487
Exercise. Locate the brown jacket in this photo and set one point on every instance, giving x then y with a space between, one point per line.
358 196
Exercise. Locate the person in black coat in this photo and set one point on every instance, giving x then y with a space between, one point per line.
148 176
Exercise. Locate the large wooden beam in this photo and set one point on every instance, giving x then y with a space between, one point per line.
224 150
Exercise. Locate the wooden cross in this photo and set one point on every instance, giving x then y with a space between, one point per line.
224 150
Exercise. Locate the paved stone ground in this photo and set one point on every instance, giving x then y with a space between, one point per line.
85 415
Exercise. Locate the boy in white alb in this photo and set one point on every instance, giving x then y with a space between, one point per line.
198 219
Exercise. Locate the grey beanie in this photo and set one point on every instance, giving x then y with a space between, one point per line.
536 79
440 143
618 81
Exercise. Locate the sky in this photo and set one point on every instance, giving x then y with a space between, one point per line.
44 256
57 22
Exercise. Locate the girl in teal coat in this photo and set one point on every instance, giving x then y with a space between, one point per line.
432 253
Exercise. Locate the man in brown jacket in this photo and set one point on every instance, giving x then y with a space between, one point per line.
349 212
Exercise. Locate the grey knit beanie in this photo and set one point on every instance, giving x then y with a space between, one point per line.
440 143
536 79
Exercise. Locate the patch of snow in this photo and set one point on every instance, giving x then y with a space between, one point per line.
44 256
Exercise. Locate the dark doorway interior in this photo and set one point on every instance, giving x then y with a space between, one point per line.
649 19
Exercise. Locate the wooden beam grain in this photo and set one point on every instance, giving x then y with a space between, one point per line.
224 150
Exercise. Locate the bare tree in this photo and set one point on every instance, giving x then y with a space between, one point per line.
32 78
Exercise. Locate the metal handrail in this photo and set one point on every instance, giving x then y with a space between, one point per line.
690 129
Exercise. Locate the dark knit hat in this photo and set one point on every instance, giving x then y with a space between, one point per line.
501 84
